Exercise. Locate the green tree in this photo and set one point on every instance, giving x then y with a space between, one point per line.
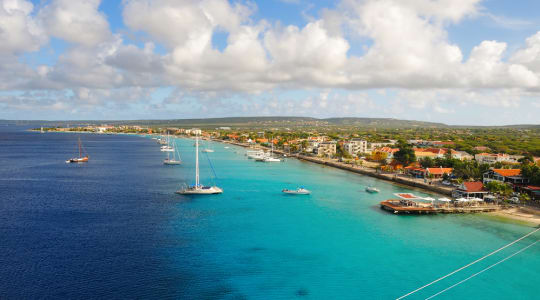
405 155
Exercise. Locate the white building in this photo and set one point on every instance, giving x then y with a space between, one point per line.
355 146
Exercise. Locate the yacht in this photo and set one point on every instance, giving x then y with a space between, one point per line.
173 160
371 189
298 191
271 158
81 158
198 188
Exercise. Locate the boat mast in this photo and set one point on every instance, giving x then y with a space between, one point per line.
197 160
168 146
80 147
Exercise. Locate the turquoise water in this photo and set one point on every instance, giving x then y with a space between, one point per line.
114 228
254 242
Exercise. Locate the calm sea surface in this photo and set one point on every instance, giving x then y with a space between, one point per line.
113 228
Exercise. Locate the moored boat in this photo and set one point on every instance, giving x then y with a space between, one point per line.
81 158
371 189
298 191
198 188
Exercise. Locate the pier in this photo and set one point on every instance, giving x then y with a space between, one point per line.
411 207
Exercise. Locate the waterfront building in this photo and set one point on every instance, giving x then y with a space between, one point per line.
326 149
355 146
438 172
470 190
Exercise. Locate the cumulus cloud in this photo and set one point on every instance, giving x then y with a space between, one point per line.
405 46
19 30
78 21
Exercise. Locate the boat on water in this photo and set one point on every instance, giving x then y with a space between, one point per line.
42 131
371 189
271 158
198 188
207 150
298 191
226 147
175 159
251 154
81 158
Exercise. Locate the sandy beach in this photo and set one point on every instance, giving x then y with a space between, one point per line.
528 215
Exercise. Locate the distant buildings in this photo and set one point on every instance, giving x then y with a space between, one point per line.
326 149
491 158
356 146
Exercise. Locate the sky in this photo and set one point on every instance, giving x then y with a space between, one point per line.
463 62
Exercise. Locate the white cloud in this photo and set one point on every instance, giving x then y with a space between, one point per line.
78 21
19 31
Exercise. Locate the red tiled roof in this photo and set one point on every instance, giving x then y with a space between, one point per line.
439 171
507 172
472 187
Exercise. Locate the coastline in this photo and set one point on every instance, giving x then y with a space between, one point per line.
524 216
393 178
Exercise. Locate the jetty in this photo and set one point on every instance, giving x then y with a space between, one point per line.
400 206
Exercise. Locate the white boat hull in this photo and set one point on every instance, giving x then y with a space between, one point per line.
201 190
171 162
297 192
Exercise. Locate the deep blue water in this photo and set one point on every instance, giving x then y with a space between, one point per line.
113 228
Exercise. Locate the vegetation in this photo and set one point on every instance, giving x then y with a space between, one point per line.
405 155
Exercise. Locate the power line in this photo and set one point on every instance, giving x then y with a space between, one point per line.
468 265
480 272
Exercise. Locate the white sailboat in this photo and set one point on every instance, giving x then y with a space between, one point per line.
271 157
198 188
173 160
208 150
167 147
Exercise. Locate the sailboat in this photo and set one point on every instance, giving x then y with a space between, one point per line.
198 188
81 158
173 160
207 150
271 157
42 131
167 147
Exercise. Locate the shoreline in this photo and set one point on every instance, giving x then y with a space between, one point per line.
526 216
393 178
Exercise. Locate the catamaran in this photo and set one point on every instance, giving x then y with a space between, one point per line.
173 160
80 159
198 188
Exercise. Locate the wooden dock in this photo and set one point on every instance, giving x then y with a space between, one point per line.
410 207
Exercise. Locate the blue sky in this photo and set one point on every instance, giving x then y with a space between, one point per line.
457 62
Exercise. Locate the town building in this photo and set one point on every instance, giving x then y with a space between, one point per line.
438 172
491 158
326 149
470 190
355 146
512 176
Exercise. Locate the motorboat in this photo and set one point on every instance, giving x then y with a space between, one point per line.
207 150
298 191
371 189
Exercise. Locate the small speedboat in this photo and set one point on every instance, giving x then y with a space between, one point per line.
207 150
371 189
299 191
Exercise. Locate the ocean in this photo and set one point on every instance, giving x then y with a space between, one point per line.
114 228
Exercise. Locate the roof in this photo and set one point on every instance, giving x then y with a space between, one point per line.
439 171
388 149
507 172
475 186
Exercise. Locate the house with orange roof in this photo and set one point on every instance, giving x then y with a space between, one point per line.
512 176
470 190
438 172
